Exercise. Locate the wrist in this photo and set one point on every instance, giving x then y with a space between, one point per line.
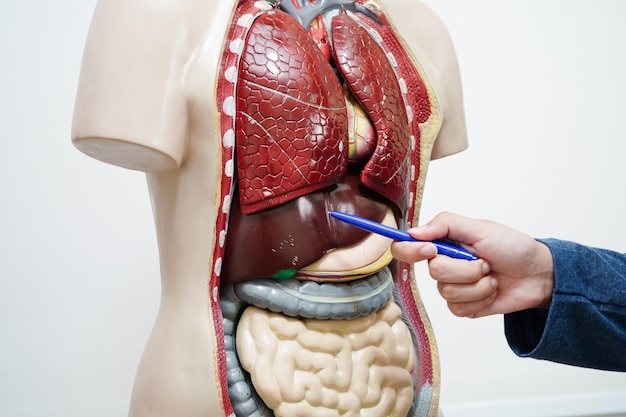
545 275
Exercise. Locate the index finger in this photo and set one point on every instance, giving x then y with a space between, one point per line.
450 226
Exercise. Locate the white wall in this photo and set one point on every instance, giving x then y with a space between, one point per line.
544 85
79 273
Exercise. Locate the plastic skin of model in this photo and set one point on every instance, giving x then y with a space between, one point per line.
252 120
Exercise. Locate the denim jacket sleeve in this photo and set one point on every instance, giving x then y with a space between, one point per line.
586 322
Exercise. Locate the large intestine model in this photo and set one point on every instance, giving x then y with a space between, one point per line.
253 119
328 115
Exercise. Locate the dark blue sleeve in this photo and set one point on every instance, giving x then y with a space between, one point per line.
586 322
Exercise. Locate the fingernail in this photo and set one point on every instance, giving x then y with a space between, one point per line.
428 251
485 268
494 283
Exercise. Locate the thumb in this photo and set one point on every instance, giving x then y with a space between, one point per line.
454 227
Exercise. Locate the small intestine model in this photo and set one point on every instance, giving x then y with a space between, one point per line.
253 120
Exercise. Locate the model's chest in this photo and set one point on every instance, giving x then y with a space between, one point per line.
320 86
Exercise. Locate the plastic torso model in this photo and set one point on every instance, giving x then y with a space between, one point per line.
252 120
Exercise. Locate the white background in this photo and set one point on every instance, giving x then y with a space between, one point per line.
79 282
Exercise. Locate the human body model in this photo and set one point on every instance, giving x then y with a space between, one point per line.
186 91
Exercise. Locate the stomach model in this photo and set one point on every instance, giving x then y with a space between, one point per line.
322 108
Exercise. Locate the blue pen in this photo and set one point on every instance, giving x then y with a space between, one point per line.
443 248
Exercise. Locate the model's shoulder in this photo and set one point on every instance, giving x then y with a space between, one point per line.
415 21
148 12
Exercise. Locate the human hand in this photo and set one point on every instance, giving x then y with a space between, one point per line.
514 272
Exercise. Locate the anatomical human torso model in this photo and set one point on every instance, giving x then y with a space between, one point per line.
253 120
